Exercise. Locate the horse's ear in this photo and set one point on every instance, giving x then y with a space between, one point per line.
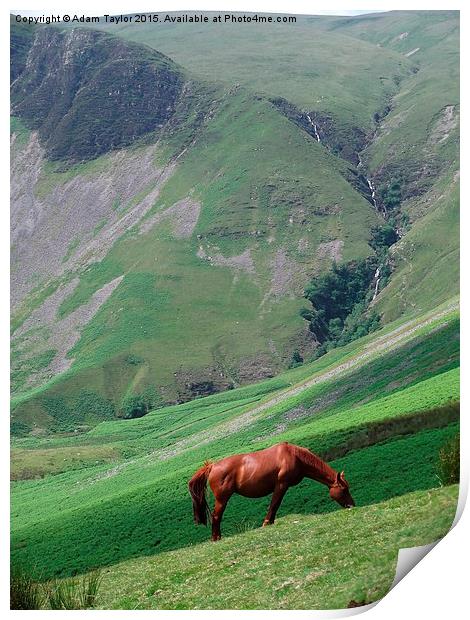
338 477
342 480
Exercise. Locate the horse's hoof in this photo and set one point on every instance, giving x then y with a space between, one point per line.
265 523
216 538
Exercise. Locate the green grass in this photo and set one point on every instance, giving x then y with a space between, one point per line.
73 245
411 147
322 69
72 593
425 93
427 258
21 372
133 520
420 358
55 173
28 464
21 132
302 562
384 422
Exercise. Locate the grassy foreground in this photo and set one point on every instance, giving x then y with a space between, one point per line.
302 562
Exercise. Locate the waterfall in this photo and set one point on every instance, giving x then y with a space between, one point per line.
370 184
315 128
372 192
377 280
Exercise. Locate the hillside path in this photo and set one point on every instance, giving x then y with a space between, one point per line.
385 343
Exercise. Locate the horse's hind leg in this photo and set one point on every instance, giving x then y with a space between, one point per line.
219 508
276 500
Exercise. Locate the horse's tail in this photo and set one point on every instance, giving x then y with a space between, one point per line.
197 488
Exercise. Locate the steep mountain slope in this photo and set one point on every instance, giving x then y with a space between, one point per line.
175 267
88 93
406 120
417 147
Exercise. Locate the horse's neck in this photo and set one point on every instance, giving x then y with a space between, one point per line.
327 478
317 469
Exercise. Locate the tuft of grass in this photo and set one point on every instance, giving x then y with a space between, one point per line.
25 593
73 593
449 461
245 525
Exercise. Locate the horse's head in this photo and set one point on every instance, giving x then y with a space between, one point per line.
339 491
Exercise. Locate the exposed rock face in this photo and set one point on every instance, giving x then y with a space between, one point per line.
44 330
88 93
77 222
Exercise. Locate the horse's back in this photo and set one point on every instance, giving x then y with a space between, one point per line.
252 474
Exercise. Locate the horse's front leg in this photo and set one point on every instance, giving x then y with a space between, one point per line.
219 508
276 500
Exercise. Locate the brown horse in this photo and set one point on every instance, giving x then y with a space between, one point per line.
257 474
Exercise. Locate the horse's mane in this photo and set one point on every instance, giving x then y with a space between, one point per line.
309 458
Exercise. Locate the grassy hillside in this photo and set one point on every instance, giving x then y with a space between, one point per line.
417 144
380 409
322 69
299 563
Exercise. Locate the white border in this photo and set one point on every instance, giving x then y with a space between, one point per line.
437 587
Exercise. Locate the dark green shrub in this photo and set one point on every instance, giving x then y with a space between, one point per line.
337 292
138 405
90 403
339 301
134 360
71 413
19 429
390 195
296 360
382 237
57 407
